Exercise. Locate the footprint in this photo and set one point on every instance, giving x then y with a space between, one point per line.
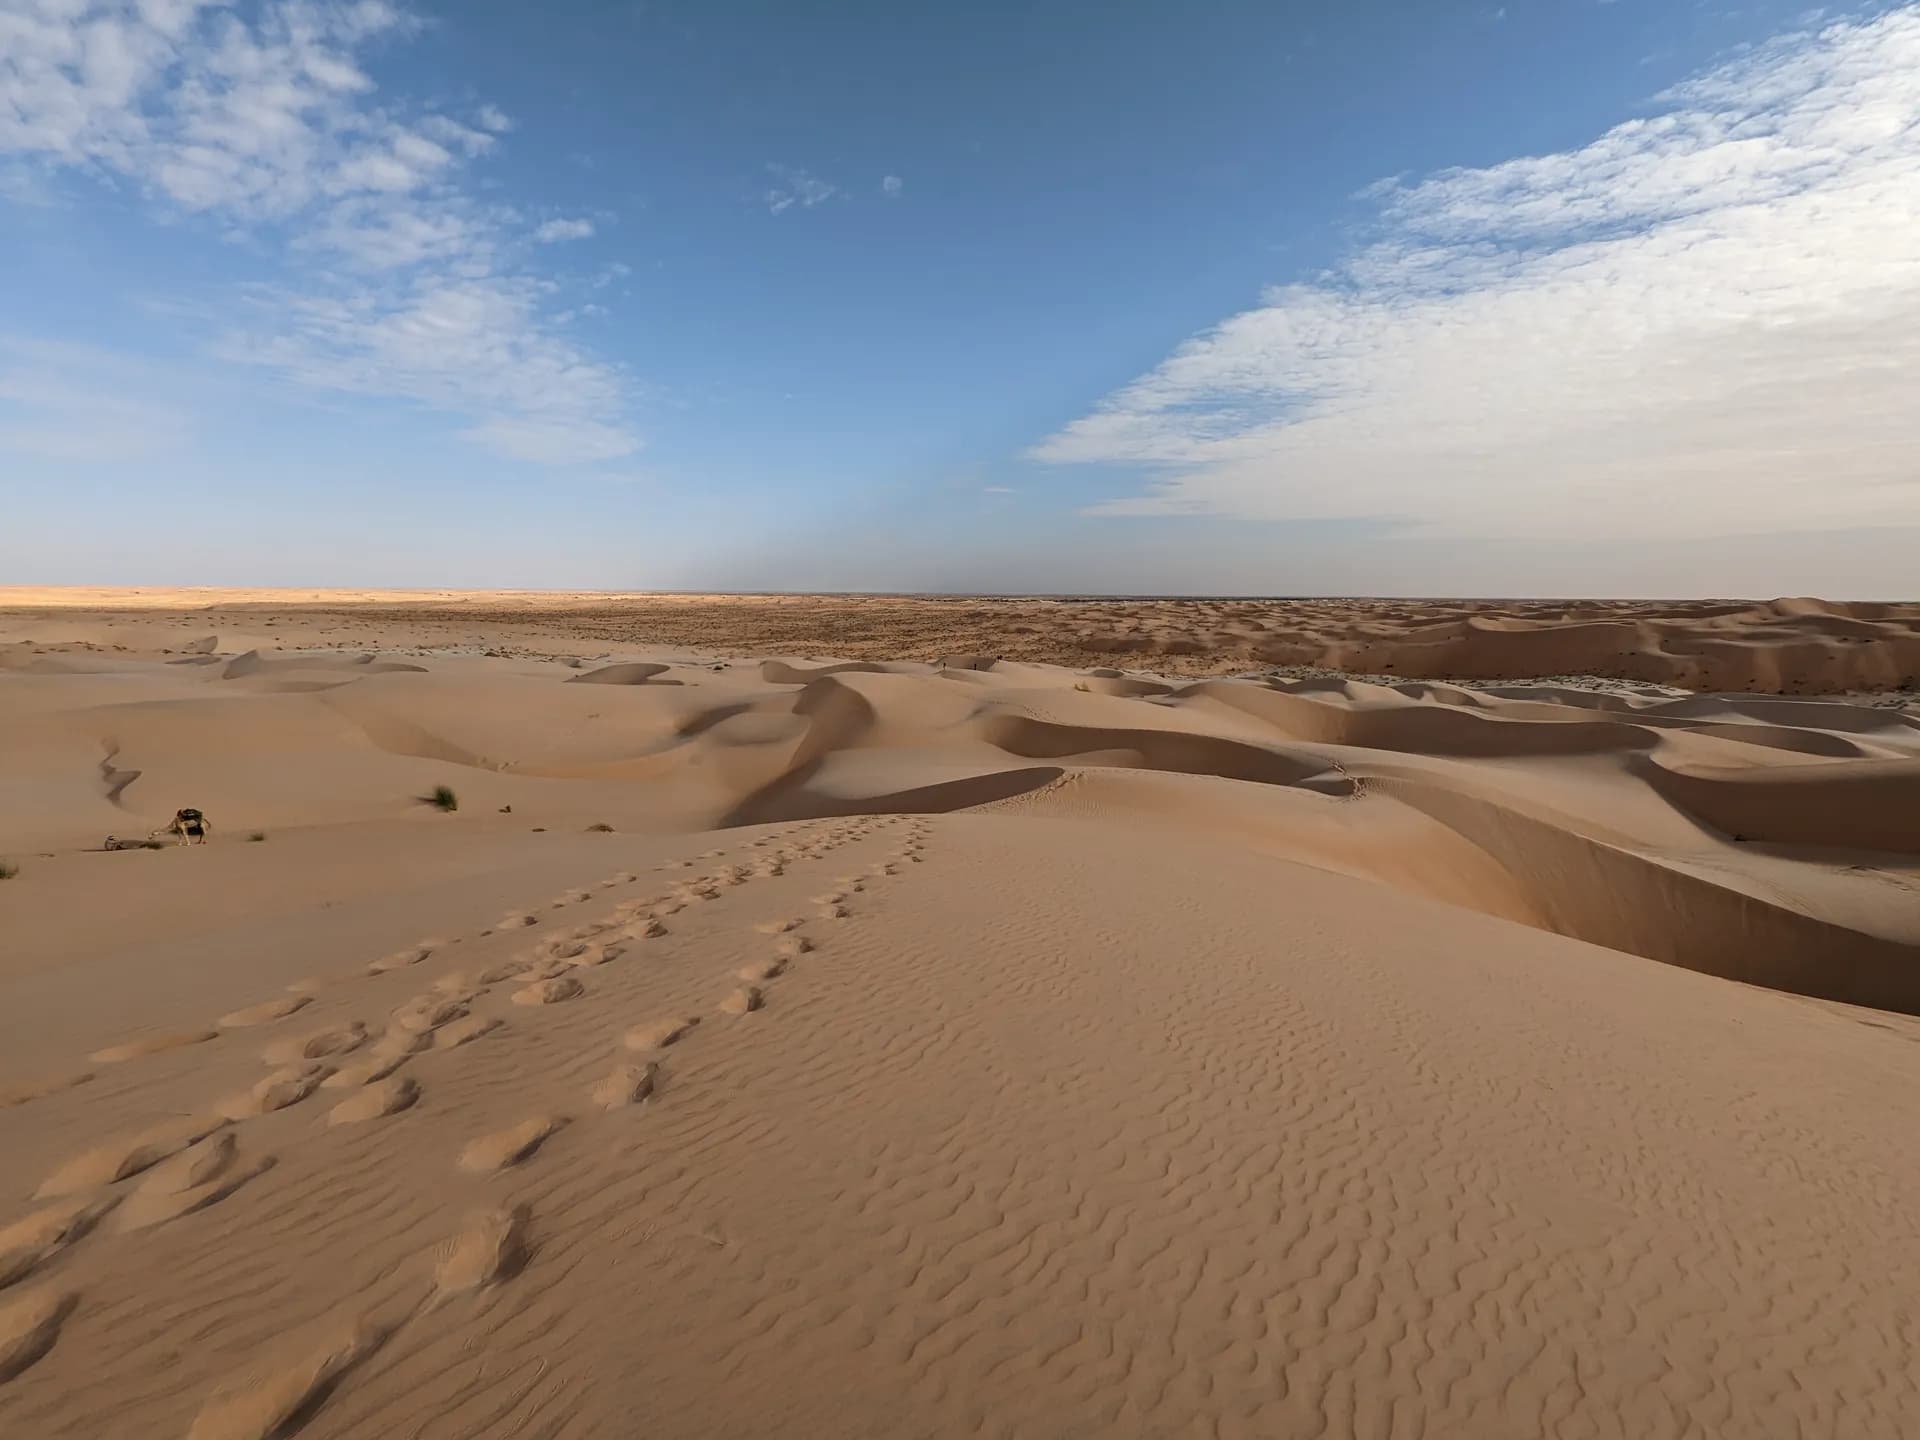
150 1045
625 1085
743 1001
26 1090
383 1097
286 1086
658 1034
265 1012
762 969
374 1067
192 1180
791 945
506 970
549 992
648 929
195 1165
328 1040
424 1013
776 927
125 1155
400 959
834 912
259 1403
517 920
454 984
29 1326
31 1242
397 1044
506 1147
460 1032
488 1248
832 897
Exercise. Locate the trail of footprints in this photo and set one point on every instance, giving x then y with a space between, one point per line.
188 1163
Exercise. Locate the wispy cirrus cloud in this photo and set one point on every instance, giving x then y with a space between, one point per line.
1708 315
400 280
793 186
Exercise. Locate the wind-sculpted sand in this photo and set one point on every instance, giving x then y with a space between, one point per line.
850 1046
1788 646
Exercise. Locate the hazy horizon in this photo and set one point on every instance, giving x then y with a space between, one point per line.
1398 301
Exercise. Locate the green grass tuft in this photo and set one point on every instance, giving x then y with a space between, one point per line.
441 797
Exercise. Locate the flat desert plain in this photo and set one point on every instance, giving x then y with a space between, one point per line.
913 1017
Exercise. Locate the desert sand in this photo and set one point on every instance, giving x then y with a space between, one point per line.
1789 646
924 1027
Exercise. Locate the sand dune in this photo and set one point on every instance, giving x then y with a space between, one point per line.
831 1046
1788 646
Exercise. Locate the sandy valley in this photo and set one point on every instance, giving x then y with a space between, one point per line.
891 1017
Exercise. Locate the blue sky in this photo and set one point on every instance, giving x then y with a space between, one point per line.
1379 298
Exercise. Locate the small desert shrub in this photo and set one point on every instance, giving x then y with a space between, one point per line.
257 836
7 872
600 828
441 797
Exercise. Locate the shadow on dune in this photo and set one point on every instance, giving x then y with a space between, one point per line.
638 673
1429 730
1871 805
1174 750
1593 891
789 797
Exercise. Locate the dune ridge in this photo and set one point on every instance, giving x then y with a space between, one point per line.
1800 646
844 1045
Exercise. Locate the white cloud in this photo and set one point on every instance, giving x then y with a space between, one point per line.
556 230
472 346
401 281
997 489
796 187
1707 318
891 186
387 233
